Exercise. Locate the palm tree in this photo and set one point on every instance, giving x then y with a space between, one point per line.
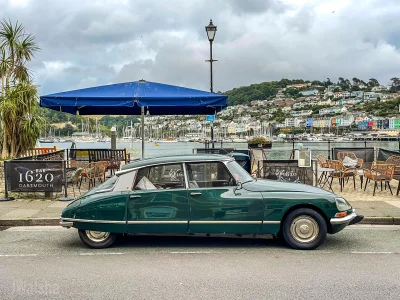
20 123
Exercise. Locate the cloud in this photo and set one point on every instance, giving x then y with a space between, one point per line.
87 43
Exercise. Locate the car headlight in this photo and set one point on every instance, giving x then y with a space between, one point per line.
342 205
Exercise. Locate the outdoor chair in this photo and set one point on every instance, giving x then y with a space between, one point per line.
323 163
379 172
93 171
341 156
114 164
395 160
73 177
341 173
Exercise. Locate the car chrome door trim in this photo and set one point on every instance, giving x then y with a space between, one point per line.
234 222
92 221
157 222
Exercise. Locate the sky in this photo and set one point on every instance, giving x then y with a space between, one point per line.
88 43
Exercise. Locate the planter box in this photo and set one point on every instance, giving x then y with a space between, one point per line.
260 146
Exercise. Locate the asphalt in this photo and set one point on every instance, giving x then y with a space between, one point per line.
362 262
47 212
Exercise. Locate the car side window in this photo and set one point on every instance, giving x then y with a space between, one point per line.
169 176
209 174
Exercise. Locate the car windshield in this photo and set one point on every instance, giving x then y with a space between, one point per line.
238 172
104 186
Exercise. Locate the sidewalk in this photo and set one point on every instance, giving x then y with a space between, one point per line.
47 212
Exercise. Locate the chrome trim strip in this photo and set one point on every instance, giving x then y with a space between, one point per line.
271 222
157 222
92 221
222 159
118 173
345 220
70 221
225 222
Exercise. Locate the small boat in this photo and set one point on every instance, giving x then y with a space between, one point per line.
155 144
239 140
44 141
168 140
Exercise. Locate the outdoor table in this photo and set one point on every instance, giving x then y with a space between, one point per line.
324 172
360 172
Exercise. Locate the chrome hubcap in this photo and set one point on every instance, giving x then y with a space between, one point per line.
97 236
304 229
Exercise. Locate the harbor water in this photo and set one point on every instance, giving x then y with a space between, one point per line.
280 150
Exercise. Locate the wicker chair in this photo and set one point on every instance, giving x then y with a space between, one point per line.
322 161
341 173
73 177
342 155
93 171
395 160
380 172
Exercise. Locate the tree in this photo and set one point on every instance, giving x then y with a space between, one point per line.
20 122
395 84
356 81
373 82
328 82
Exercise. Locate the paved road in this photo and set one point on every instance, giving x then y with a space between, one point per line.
362 262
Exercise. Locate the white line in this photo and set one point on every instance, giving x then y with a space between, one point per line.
105 253
371 252
36 228
17 255
191 252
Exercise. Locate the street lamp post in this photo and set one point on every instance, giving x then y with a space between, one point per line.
211 29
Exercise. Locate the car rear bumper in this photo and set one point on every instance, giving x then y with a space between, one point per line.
350 219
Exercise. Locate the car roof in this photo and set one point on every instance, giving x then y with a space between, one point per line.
176 159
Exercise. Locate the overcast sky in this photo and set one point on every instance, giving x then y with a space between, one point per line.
87 43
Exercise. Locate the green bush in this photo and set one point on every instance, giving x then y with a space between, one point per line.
258 140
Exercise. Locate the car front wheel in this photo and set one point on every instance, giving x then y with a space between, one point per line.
97 239
304 229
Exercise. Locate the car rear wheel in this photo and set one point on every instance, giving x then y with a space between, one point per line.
97 239
304 229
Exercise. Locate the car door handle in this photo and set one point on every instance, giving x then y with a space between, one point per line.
196 194
135 196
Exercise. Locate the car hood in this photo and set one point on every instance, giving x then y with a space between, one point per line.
265 185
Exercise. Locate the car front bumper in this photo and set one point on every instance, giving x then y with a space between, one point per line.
65 223
350 219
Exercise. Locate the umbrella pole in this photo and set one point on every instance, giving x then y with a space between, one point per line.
142 113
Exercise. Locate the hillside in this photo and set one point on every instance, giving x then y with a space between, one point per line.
263 91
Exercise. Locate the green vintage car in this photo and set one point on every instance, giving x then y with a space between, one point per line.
204 194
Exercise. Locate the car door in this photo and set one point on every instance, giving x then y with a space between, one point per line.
217 206
158 202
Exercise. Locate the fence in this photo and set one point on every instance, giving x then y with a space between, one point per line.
286 171
384 154
79 157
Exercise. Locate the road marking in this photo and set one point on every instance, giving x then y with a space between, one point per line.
375 227
104 253
17 255
192 252
36 228
371 252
